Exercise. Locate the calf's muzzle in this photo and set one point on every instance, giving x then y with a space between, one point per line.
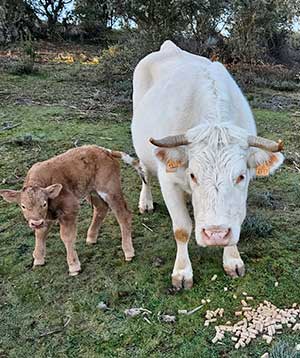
36 224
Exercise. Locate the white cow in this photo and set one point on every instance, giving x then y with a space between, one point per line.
209 149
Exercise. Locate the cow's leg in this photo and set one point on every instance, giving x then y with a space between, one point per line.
39 252
99 213
146 201
174 198
68 232
232 262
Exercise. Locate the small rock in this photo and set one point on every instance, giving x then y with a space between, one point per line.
168 318
132 312
102 306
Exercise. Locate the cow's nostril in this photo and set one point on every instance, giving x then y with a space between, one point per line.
216 233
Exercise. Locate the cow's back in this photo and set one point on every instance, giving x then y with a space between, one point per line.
174 91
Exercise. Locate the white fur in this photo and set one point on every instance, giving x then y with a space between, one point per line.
175 92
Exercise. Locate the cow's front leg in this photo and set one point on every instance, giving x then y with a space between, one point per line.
68 234
232 262
174 197
39 252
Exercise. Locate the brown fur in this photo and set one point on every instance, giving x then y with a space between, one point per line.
181 235
52 190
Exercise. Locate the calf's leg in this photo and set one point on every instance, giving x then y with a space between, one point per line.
232 262
68 232
174 198
39 252
119 207
99 213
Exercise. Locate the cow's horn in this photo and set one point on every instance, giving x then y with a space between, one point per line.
266 144
171 141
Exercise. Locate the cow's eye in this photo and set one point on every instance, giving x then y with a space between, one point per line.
240 178
194 179
23 206
45 204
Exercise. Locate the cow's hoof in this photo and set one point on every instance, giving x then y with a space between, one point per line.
146 209
179 283
74 273
129 258
236 269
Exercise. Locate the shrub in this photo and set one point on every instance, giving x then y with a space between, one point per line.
26 63
256 227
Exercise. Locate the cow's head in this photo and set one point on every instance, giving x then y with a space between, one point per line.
220 161
33 201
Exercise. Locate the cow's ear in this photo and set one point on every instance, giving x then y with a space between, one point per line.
172 158
53 190
11 196
263 163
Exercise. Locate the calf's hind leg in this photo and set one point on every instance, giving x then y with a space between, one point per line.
119 207
99 213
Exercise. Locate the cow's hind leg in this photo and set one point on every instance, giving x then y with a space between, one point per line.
100 210
146 201
174 198
232 262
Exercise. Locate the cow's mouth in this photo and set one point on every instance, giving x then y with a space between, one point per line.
216 236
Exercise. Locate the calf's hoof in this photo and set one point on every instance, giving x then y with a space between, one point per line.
38 262
181 282
74 270
129 256
235 269
91 241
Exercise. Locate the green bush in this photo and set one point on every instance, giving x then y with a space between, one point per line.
26 64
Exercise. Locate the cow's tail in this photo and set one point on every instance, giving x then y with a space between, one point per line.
135 163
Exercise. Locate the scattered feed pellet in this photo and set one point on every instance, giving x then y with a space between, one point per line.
265 321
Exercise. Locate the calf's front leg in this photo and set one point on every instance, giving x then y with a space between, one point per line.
232 262
68 232
174 198
39 252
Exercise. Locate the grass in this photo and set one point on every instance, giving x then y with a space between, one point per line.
62 105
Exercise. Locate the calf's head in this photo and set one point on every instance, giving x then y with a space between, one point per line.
33 201
220 162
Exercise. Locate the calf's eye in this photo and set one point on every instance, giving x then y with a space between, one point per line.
240 178
45 204
23 206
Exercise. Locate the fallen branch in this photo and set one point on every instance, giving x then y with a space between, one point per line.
56 330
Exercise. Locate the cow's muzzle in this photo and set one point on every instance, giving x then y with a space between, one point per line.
216 236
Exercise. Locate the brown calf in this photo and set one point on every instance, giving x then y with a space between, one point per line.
52 191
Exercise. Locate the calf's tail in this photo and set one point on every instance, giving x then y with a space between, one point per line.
135 163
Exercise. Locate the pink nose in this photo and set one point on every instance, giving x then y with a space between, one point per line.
216 236
35 224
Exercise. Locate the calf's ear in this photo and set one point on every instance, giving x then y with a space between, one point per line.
11 196
53 190
263 163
